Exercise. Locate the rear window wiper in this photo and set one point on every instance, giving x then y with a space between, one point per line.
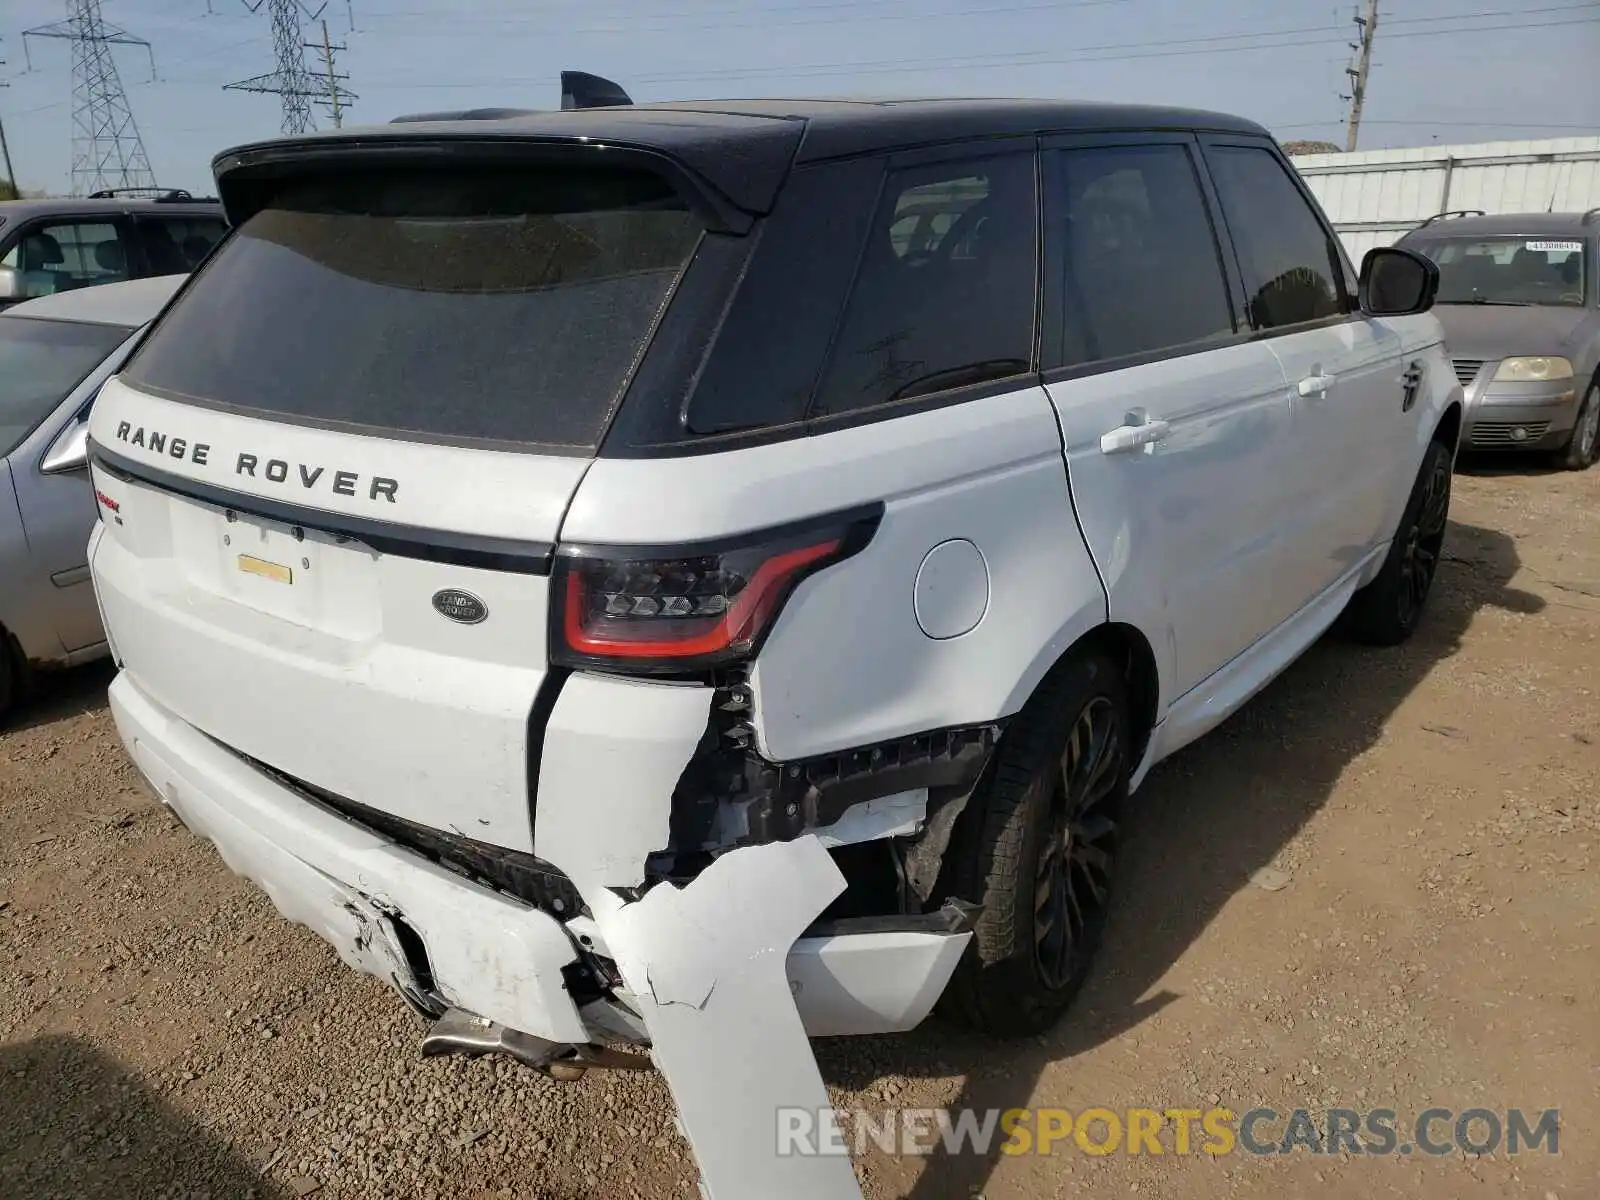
1501 303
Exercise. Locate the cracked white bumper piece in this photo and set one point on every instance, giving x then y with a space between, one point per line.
727 989
488 954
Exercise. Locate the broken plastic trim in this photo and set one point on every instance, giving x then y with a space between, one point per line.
460 1032
785 799
954 916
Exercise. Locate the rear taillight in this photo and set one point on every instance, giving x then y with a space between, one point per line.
660 610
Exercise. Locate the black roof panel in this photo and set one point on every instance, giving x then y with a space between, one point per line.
745 147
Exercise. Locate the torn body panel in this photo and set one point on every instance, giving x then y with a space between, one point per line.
614 750
717 971
707 965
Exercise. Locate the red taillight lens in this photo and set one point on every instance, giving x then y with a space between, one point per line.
654 610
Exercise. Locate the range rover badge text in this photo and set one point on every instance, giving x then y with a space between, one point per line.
460 606
309 476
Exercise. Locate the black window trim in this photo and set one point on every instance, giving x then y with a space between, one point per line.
1054 257
1338 261
970 150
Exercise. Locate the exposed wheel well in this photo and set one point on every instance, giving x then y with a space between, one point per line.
1129 646
1448 431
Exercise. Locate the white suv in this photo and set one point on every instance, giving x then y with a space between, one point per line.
702 574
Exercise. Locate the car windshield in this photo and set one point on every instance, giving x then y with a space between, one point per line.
1509 270
40 363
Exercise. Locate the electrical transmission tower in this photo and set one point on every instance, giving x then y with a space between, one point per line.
107 151
1359 73
296 85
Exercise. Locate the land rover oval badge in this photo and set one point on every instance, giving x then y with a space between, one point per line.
460 606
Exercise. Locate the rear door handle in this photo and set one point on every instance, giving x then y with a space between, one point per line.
1132 437
1317 384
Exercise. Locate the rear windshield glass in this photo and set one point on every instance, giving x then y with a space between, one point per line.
40 363
469 306
1508 270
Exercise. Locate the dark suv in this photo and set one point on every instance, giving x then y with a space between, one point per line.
51 246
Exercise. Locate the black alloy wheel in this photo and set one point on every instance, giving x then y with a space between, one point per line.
1078 849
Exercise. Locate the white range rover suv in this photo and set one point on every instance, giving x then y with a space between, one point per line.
700 575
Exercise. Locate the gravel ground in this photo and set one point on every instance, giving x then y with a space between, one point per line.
1374 886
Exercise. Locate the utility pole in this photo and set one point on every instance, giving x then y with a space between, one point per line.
336 95
1359 73
107 151
5 150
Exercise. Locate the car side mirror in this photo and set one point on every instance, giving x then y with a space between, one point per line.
70 451
10 285
1397 282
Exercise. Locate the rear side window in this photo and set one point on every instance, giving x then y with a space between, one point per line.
41 362
67 255
1142 267
487 306
177 245
1292 269
944 293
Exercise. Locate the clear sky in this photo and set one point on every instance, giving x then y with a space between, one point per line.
1445 71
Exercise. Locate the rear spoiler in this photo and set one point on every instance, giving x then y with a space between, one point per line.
579 89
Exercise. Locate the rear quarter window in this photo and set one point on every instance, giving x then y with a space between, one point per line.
945 292
498 307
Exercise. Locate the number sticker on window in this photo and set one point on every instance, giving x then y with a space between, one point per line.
1549 247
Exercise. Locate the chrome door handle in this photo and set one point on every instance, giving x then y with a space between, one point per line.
1132 437
1317 384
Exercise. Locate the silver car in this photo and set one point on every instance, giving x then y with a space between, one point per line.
1521 314
55 353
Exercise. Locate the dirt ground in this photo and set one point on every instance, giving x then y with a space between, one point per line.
1425 936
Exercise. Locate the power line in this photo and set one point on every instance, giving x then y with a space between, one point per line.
107 151
856 16
138 83
1084 54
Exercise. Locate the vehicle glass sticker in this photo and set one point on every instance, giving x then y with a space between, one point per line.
1554 247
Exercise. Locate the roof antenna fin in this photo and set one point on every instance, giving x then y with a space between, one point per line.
579 89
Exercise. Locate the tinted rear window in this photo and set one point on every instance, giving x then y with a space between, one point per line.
40 363
469 306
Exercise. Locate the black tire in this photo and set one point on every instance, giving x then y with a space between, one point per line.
1387 610
8 676
1584 446
1051 807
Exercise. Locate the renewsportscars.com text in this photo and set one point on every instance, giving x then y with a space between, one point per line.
1159 1131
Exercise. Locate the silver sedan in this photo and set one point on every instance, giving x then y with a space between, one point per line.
55 353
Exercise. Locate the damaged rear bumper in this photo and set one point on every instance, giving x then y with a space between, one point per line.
445 941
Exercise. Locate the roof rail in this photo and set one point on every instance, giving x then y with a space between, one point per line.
1589 217
168 195
465 114
1453 213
